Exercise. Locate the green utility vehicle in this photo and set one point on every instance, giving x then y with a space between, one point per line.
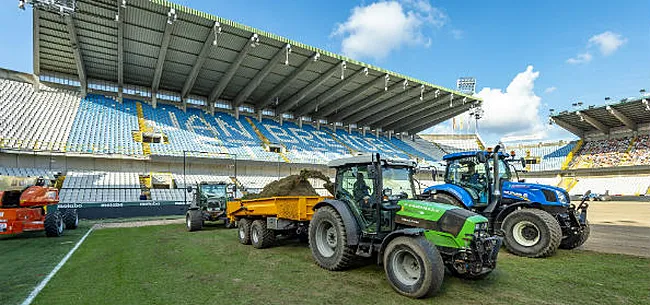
374 211
209 204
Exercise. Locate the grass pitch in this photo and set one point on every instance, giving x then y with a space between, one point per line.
25 259
167 265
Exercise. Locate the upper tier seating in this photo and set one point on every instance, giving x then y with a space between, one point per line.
626 151
551 155
31 120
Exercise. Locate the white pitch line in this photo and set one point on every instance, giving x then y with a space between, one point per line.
44 282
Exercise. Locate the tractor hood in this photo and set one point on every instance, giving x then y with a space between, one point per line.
545 194
439 217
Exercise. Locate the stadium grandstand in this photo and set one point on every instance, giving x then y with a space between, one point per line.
134 100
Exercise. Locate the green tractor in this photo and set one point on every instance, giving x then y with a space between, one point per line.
374 212
209 204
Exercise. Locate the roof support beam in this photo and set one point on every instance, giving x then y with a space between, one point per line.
366 103
167 35
434 119
365 118
296 98
200 60
347 99
74 43
381 106
593 122
259 77
267 99
120 49
36 41
325 96
438 103
232 69
569 127
623 118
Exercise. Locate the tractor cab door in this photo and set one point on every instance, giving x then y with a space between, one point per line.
361 187
472 176
356 188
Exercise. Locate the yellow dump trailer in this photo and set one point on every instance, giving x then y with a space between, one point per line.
260 220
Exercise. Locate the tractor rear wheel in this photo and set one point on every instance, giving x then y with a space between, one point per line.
194 220
53 224
413 266
531 233
261 237
328 240
244 231
70 219
448 199
574 241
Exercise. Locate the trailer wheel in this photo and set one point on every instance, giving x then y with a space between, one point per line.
53 224
328 240
244 231
574 241
71 219
194 220
413 266
261 237
531 233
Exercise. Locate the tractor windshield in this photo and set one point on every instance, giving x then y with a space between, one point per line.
399 180
504 170
213 191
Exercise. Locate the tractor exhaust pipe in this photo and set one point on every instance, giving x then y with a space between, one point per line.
495 196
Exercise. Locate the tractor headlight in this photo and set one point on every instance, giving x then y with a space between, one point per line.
561 197
480 229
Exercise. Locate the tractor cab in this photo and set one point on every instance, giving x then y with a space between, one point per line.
474 172
212 196
372 188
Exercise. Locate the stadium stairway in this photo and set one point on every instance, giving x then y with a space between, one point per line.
143 127
572 153
265 140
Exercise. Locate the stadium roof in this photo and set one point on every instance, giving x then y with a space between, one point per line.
628 114
175 50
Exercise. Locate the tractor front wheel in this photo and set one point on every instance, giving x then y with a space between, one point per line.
531 233
194 220
53 224
70 219
413 266
261 237
576 240
328 240
244 231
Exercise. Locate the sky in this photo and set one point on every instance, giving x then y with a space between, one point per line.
527 57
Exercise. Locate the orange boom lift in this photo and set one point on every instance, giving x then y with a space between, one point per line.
31 204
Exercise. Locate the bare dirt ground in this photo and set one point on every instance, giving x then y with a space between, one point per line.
619 227
138 223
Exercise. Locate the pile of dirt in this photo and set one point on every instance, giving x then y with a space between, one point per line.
294 185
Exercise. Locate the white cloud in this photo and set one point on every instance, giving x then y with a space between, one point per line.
607 42
580 59
550 89
377 29
513 112
457 34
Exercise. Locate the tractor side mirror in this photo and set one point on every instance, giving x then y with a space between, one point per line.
480 156
434 173
189 189
586 195
523 163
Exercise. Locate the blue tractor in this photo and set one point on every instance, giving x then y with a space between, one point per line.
535 219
